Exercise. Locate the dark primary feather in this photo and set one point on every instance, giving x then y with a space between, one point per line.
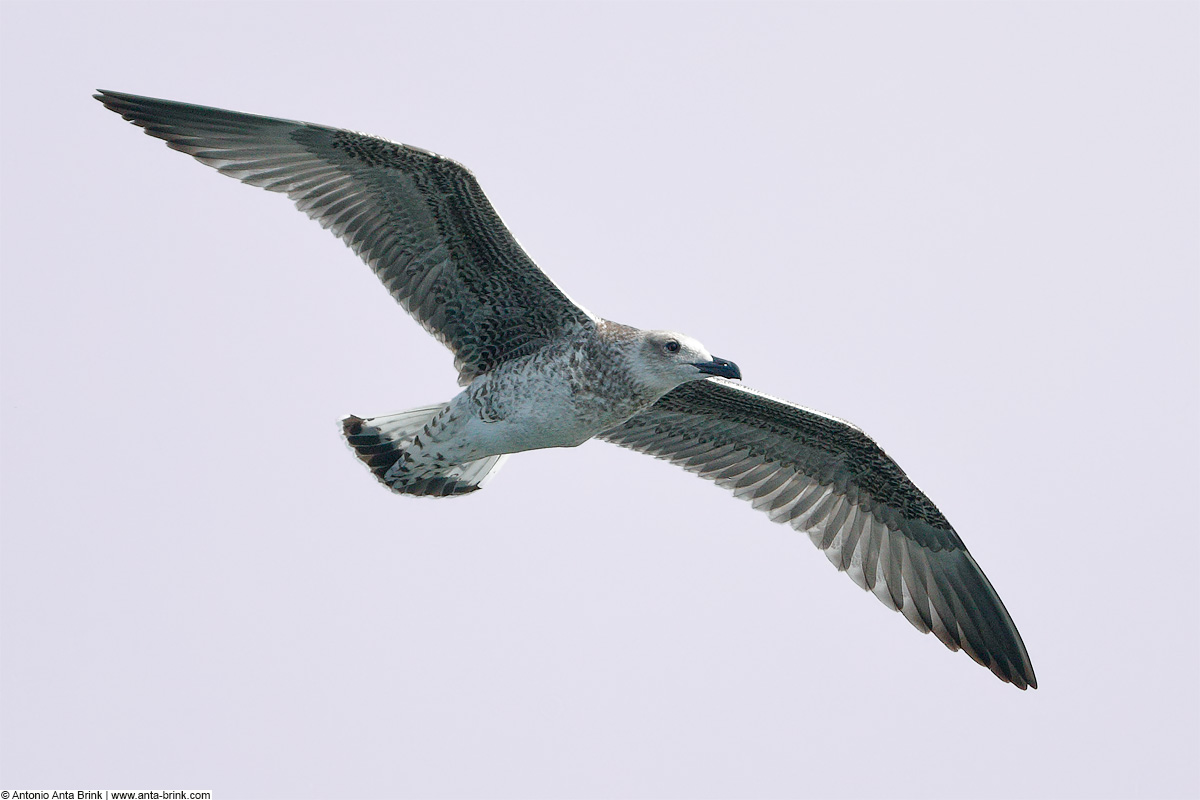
419 220
831 481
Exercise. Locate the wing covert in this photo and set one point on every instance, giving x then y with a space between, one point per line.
420 221
828 479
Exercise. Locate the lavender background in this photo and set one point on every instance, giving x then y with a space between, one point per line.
969 228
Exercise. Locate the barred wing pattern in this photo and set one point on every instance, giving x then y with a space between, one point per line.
419 220
830 480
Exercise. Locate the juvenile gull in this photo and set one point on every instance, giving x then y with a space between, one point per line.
541 371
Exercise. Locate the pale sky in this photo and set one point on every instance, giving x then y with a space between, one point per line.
970 229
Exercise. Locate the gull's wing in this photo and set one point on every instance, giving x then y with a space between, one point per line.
830 480
419 220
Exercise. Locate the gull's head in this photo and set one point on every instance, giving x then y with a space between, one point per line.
664 360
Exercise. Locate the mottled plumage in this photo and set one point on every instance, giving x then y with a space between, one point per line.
541 371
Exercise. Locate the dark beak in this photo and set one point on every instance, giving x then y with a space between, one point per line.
720 367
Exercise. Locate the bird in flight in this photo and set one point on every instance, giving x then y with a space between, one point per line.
539 370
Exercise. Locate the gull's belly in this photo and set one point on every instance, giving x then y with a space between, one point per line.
511 416
553 398
535 421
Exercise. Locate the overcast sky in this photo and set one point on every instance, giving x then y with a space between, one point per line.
971 229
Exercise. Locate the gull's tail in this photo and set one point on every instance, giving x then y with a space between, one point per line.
390 447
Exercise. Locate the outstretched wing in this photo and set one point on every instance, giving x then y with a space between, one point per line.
830 480
419 220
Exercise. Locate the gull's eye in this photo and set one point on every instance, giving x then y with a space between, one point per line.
672 346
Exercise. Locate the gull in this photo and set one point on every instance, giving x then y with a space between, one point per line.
538 370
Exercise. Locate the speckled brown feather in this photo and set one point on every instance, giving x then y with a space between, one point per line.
830 480
419 220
